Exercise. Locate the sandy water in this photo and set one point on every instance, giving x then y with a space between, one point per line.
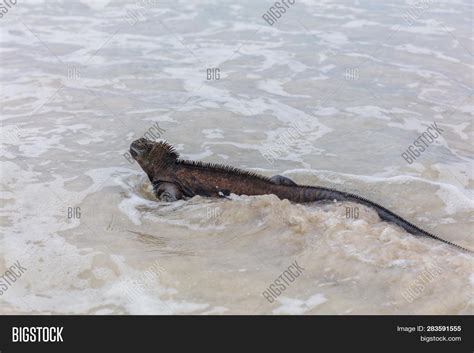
82 79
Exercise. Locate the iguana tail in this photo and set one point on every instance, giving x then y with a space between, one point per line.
311 194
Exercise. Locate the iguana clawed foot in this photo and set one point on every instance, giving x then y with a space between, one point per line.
167 197
167 192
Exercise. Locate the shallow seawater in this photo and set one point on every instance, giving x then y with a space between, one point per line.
82 79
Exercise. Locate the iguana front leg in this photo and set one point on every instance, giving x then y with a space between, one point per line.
167 192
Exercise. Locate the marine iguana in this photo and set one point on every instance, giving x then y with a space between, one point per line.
173 179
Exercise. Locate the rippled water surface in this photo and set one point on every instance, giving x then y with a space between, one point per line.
82 79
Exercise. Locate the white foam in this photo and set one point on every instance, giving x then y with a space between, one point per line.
291 306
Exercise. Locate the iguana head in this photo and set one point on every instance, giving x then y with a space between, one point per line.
155 158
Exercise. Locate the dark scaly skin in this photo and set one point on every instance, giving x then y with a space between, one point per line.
174 179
